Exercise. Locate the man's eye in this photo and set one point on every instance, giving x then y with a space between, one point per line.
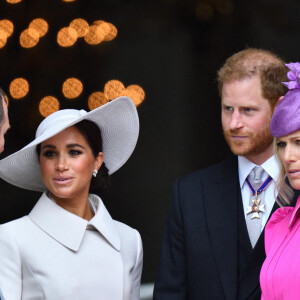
228 108
247 109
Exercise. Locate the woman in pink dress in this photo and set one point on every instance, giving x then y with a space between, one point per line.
280 274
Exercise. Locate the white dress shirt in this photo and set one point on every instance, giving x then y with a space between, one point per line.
271 167
54 254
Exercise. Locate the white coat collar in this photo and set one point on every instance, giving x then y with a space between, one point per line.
69 229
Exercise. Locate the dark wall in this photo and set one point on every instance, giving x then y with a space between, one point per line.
172 48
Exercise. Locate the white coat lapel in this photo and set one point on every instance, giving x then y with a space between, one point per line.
69 229
103 222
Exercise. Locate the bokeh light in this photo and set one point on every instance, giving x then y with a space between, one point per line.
96 99
13 1
109 29
40 26
95 35
48 105
112 32
81 26
72 88
19 88
113 89
7 27
3 38
136 93
29 38
67 37
68 0
105 26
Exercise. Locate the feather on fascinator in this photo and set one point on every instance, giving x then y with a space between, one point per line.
286 117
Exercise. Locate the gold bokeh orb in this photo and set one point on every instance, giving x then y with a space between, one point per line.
7 27
3 38
95 35
68 0
136 93
13 1
67 37
104 25
113 89
29 38
112 32
39 25
81 26
48 105
72 88
19 88
96 99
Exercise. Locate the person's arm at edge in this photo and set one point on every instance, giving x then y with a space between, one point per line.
171 279
137 271
10 266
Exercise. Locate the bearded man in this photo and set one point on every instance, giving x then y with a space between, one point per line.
213 242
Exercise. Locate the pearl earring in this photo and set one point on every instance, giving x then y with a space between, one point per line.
95 172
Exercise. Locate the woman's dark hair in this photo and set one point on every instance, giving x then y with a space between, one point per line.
92 134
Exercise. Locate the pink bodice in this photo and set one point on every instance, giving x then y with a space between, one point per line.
280 273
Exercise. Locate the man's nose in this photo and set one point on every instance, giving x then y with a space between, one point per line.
236 121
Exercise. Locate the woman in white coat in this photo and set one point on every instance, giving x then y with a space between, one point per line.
69 247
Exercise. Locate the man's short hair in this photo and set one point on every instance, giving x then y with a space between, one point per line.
256 62
3 99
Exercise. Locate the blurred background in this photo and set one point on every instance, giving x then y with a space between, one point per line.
58 54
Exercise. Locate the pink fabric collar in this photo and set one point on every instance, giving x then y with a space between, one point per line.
293 217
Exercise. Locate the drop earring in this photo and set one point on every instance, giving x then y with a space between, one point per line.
95 172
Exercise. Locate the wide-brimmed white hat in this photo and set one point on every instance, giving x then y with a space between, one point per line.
119 125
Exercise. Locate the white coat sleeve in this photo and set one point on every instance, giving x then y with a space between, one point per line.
10 265
137 270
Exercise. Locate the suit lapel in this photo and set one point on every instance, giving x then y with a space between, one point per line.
221 194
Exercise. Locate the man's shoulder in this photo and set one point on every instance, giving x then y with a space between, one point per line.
223 168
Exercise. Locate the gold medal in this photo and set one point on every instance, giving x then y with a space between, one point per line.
255 209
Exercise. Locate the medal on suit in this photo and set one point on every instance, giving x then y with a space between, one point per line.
256 208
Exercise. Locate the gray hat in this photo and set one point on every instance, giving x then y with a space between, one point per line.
119 125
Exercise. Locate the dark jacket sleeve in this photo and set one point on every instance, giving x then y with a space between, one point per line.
171 279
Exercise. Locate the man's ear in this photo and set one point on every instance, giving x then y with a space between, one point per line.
279 99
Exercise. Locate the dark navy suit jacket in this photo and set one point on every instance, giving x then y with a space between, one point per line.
199 255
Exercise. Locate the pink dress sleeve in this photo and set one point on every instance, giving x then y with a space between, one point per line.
272 229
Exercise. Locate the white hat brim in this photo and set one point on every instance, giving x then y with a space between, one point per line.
119 124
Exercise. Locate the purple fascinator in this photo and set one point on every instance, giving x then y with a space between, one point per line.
286 117
293 75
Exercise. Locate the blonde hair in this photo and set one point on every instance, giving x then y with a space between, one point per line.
285 192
